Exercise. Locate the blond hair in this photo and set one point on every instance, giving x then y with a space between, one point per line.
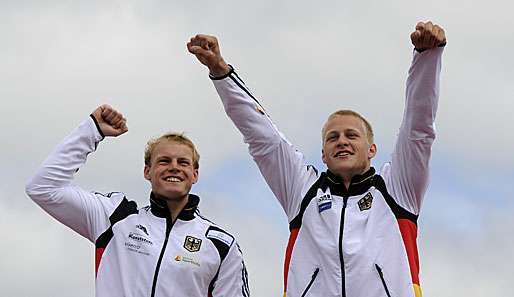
174 137
348 112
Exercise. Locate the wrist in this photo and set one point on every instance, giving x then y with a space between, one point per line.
219 69
97 124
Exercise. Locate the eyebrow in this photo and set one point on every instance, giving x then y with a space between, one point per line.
330 133
352 130
164 157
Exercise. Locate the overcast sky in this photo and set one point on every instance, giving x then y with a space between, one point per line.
303 59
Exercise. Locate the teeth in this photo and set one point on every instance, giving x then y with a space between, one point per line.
343 154
172 179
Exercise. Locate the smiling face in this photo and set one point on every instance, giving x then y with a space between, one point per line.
171 170
347 150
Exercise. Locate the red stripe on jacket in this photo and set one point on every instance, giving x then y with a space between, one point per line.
289 251
409 233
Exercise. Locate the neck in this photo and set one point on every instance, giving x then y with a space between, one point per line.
176 206
348 176
347 181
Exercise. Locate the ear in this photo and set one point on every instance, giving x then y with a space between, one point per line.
146 172
372 151
323 157
195 176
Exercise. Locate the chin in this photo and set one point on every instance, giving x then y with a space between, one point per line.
344 170
172 195
343 167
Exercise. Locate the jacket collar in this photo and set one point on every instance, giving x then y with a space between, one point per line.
160 209
358 185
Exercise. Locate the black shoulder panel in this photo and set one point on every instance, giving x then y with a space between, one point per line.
121 212
221 245
108 195
399 212
103 240
297 221
313 168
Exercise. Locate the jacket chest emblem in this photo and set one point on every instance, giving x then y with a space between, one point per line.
365 202
192 244
324 200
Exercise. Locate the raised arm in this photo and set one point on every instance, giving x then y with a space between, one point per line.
408 173
52 189
281 165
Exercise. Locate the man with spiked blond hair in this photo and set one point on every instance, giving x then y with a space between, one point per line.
353 231
164 249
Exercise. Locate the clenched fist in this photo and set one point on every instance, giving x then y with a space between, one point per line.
427 36
110 121
207 51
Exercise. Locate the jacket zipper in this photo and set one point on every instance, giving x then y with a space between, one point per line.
314 275
341 227
169 225
379 270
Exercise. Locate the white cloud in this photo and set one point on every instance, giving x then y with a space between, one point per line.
40 257
477 265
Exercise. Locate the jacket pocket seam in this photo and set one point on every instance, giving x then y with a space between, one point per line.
381 275
314 276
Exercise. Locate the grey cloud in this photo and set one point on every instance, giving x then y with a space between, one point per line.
304 60
477 265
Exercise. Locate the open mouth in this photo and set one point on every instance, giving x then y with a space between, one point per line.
343 154
173 179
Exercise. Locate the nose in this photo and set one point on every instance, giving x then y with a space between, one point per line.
173 166
342 141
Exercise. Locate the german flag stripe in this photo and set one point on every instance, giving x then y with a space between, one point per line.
289 250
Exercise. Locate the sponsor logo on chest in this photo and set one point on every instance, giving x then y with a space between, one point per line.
187 260
324 200
138 238
137 242
142 228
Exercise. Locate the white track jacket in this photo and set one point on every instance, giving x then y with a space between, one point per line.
139 251
355 242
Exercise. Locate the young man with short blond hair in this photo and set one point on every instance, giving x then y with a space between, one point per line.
174 137
164 249
353 231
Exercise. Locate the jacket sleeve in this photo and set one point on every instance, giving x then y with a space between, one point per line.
232 280
52 188
281 165
408 172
